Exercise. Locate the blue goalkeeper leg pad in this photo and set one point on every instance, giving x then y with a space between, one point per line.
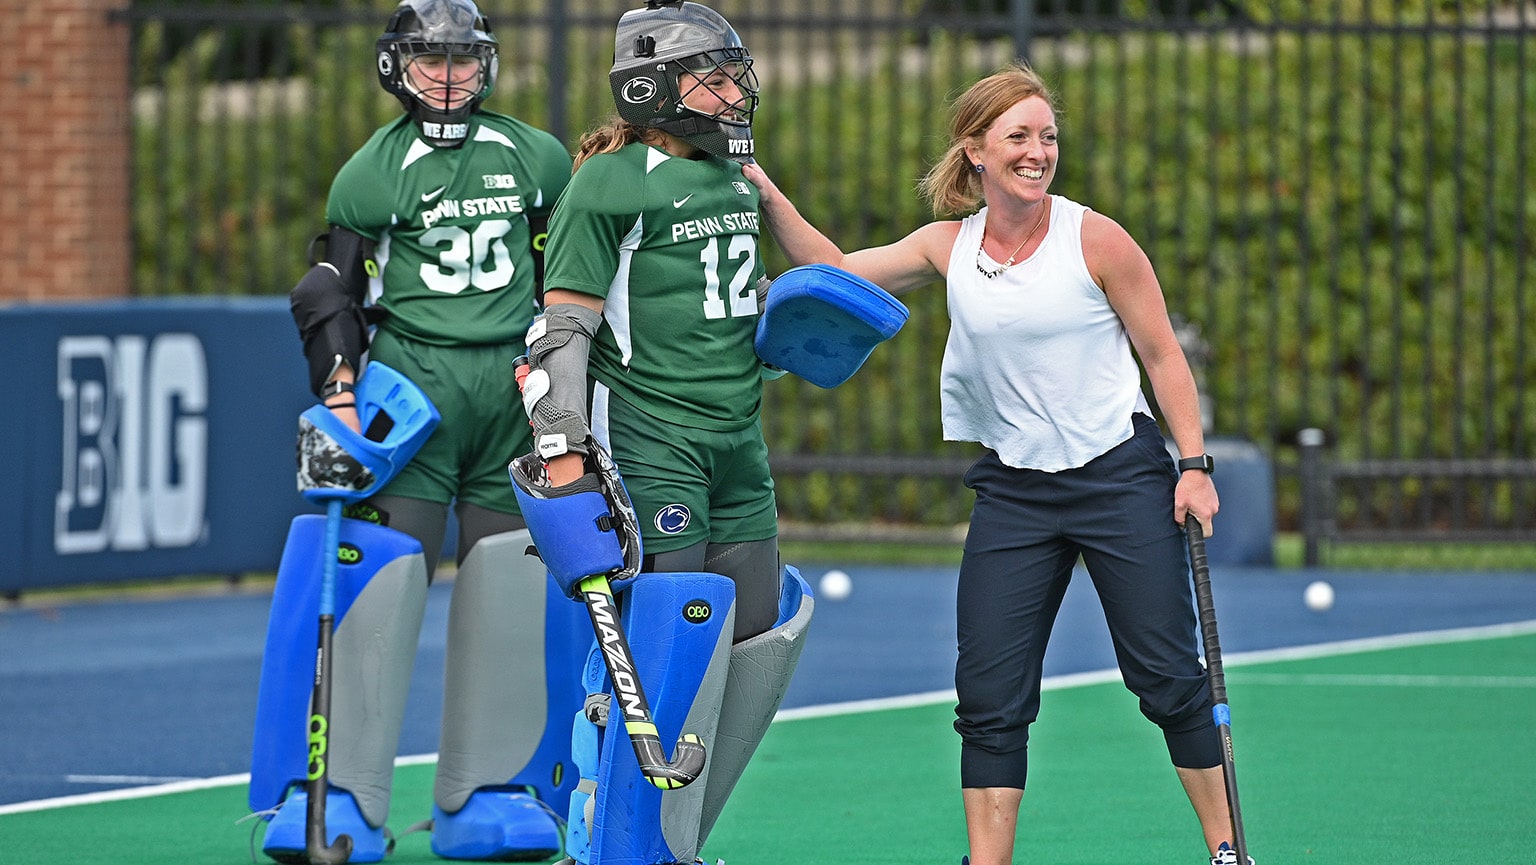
285 834
679 628
586 755
380 590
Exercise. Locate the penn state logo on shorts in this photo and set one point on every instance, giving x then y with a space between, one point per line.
672 519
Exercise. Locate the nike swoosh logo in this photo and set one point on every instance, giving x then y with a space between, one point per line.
428 196
679 202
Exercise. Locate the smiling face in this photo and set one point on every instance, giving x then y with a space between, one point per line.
1018 151
718 92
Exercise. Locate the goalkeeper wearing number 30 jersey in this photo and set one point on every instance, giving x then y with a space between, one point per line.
455 254
455 282
436 237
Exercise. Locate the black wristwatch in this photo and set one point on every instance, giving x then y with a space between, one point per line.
1202 462
335 387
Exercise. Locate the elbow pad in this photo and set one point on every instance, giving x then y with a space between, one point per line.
555 391
327 306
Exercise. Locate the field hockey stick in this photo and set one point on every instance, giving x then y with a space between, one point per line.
339 464
688 757
1206 605
320 713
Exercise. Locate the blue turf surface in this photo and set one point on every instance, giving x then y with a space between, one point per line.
120 693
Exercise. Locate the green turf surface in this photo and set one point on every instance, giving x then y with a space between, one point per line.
1422 754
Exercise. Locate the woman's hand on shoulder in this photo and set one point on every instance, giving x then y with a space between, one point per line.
766 188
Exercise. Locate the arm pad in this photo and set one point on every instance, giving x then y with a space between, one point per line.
327 306
555 391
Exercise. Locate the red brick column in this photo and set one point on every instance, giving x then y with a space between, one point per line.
64 151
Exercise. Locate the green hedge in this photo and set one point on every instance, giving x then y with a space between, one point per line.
1348 216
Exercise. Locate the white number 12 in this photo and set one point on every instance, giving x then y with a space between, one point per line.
742 292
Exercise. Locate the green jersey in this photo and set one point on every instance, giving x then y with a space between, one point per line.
671 245
454 254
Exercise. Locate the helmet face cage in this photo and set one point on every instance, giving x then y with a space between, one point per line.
448 32
706 71
666 53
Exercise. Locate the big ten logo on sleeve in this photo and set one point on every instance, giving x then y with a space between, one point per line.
135 443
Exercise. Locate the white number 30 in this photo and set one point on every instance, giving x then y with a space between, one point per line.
479 259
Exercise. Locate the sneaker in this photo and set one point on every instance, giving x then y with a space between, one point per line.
1225 855
285 834
496 825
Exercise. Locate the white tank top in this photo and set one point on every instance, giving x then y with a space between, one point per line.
1038 366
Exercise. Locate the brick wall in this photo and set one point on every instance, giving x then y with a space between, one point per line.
64 151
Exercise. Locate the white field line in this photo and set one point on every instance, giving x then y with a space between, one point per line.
159 789
1075 680
126 779
1386 681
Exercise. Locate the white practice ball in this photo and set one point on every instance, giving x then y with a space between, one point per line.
835 585
1319 596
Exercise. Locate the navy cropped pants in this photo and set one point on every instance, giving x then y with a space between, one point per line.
1027 531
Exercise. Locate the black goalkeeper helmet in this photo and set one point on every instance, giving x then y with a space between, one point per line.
435 38
670 48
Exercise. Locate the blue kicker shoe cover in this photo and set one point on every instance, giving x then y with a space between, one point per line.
285 834
496 825
821 323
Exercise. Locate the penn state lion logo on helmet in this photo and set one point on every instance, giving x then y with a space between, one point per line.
639 91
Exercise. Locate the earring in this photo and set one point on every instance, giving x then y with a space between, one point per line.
980 168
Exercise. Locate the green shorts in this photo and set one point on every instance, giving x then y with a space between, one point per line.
483 426
689 485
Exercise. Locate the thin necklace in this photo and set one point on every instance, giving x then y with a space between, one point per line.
992 274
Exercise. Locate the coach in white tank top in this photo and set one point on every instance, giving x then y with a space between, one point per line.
1047 299
1038 366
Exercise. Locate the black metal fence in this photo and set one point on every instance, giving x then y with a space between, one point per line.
1337 195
